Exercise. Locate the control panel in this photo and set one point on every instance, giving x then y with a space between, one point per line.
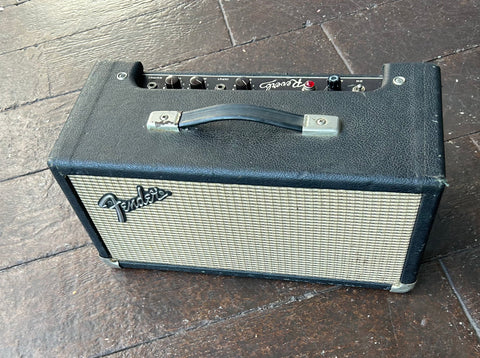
332 82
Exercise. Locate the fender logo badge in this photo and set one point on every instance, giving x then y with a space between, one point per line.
143 198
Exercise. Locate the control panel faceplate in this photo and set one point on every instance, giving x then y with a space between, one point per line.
262 83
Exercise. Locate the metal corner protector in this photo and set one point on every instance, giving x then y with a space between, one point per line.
111 262
402 287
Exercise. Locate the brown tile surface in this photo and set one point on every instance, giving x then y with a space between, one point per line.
157 39
428 322
302 51
457 224
74 305
36 220
35 22
58 299
461 93
464 271
253 19
405 31
24 77
28 133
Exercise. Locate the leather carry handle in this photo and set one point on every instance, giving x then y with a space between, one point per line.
308 124
243 112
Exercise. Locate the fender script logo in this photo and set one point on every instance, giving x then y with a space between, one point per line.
292 82
143 198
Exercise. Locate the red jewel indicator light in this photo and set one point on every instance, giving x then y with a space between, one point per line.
309 86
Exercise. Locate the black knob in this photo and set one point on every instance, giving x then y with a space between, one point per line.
172 82
197 83
334 83
242 83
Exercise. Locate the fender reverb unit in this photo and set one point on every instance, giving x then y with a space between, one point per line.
328 178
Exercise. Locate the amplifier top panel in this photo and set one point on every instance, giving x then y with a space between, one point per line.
386 126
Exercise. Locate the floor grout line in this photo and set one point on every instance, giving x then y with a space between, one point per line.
230 33
238 45
456 52
18 105
330 37
198 56
475 143
19 2
337 49
452 253
207 323
460 300
40 258
461 136
23 175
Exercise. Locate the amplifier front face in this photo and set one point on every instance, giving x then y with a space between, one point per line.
325 234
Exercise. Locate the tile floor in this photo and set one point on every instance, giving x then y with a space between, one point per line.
58 299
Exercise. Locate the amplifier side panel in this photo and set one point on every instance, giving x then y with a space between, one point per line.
345 235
